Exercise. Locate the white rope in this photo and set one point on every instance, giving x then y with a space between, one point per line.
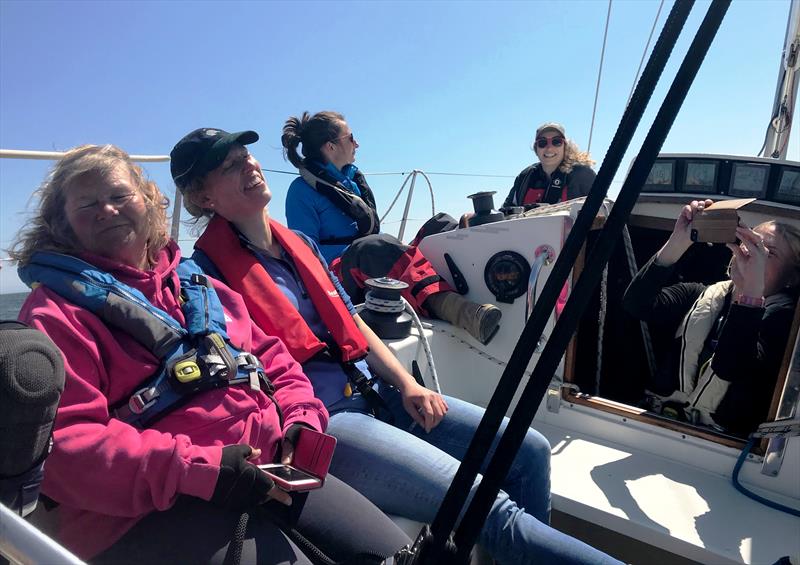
601 320
381 305
601 324
599 74
396 196
395 307
425 344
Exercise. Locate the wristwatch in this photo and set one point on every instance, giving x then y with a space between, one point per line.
755 302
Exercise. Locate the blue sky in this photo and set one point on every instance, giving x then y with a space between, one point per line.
439 86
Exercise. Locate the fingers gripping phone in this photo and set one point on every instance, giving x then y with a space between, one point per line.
312 457
289 478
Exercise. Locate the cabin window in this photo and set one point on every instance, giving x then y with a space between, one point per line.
749 180
661 177
789 186
701 176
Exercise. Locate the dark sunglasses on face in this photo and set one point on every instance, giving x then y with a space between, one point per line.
555 141
350 137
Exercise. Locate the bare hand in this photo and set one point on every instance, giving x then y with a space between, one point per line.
425 406
680 239
750 262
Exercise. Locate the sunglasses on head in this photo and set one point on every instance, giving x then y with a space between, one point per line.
555 141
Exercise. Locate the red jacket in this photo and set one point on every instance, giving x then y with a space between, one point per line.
105 474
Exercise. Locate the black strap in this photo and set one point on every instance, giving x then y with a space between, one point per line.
345 239
364 386
427 281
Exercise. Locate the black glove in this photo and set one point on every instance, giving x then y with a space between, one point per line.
293 433
241 485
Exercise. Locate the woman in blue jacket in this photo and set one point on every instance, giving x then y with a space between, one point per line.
332 203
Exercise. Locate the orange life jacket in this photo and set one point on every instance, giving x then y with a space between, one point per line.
268 306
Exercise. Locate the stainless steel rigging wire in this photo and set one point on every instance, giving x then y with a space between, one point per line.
599 75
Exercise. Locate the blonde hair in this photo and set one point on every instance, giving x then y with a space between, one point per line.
791 235
574 156
49 230
199 216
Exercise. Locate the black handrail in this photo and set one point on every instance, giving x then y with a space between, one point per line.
445 520
532 395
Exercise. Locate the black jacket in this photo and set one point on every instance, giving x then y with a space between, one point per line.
560 187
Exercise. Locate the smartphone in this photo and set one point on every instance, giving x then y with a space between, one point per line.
290 478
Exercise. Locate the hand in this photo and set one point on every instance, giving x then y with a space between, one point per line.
289 441
242 485
680 239
425 406
749 262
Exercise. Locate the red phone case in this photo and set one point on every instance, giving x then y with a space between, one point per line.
313 452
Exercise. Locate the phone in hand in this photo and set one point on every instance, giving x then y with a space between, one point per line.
290 478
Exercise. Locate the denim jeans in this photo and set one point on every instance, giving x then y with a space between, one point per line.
406 472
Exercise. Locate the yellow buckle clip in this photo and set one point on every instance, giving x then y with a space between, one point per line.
186 371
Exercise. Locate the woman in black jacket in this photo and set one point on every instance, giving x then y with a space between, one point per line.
729 337
562 173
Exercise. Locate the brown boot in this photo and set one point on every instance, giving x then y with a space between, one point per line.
480 320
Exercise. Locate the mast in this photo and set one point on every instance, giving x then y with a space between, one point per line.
776 143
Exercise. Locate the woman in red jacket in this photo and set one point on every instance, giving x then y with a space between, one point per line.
152 465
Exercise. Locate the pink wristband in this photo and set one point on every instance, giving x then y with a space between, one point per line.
745 300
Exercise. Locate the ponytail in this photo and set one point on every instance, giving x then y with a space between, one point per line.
313 132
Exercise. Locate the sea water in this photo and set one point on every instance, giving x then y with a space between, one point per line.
10 304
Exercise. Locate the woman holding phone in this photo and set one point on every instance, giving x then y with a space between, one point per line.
398 442
721 368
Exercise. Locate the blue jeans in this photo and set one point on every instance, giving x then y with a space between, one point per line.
406 472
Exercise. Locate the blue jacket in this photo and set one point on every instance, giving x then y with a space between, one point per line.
339 209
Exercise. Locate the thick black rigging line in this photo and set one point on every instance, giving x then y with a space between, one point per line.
456 496
532 395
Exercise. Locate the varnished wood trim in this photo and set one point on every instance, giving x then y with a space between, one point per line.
641 415
777 209
664 224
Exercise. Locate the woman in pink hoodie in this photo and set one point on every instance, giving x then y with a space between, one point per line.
172 489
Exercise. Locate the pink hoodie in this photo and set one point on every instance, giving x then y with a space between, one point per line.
107 475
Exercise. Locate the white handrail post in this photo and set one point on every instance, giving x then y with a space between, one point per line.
176 216
408 205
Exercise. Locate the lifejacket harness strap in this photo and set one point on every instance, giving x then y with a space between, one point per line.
194 359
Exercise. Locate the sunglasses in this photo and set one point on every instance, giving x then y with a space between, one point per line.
351 137
555 141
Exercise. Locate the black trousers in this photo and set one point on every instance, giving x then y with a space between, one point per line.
336 519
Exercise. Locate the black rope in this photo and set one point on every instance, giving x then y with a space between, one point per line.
521 419
456 496
234 554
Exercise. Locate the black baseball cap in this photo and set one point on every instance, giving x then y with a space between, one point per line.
202 151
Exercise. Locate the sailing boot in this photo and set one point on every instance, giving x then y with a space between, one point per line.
481 320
